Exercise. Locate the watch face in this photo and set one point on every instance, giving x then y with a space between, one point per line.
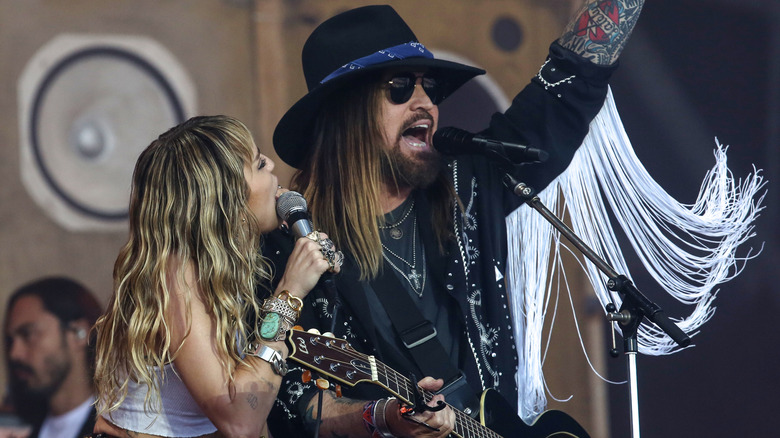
270 326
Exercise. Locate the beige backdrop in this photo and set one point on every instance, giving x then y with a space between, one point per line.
243 58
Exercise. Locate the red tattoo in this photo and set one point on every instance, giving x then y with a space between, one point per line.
599 23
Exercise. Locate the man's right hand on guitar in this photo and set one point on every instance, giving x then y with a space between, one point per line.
415 425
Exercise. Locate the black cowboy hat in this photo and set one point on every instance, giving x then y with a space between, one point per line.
344 47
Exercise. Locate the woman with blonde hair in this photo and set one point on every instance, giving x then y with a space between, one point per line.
179 353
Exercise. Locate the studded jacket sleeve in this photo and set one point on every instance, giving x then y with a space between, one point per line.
553 113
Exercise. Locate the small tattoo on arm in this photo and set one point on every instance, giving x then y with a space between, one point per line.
252 400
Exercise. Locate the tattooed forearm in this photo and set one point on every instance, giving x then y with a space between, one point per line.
600 30
347 401
341 417
308 418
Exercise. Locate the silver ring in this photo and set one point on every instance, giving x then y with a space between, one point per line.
334 258
328 253
327 244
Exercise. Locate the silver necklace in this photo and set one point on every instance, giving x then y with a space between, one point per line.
413 278
395 232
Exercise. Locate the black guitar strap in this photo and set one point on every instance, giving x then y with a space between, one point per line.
420 338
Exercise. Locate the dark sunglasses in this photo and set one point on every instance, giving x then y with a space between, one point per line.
402 86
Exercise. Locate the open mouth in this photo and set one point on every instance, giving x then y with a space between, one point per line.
417 135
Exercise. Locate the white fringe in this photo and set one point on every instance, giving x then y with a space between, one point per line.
687 249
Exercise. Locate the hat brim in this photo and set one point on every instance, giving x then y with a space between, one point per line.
293 136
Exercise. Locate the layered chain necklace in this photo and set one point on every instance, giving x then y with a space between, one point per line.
396 232
416 280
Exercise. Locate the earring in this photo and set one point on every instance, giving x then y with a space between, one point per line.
81 333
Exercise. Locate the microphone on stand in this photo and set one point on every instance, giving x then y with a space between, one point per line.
455 141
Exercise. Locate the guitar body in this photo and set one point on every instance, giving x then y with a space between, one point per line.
500 417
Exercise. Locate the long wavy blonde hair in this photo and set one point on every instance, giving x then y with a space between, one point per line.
188 205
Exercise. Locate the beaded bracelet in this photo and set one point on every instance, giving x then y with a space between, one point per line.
285 305
375 420
368 416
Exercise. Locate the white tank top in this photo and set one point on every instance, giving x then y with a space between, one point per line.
180 415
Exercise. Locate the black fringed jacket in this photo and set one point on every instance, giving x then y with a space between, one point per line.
552 113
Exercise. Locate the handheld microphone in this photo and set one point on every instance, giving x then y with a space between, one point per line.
291 207
455 141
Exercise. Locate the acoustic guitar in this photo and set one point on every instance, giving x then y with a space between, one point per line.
337 359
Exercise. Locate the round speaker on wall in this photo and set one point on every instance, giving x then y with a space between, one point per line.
88 106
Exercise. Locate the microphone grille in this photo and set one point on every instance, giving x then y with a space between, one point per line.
451 140
289 203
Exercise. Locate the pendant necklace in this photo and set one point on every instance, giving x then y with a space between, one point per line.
395 232
416 280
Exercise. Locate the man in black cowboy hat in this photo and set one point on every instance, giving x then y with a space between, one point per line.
422 287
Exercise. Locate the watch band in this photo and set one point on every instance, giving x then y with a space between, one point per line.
273 357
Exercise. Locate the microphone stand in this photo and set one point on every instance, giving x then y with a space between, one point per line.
635 305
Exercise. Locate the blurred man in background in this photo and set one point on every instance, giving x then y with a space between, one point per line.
49 356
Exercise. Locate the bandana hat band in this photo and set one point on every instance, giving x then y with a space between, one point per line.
407 50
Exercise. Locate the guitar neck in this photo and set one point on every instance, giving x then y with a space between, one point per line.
403 389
